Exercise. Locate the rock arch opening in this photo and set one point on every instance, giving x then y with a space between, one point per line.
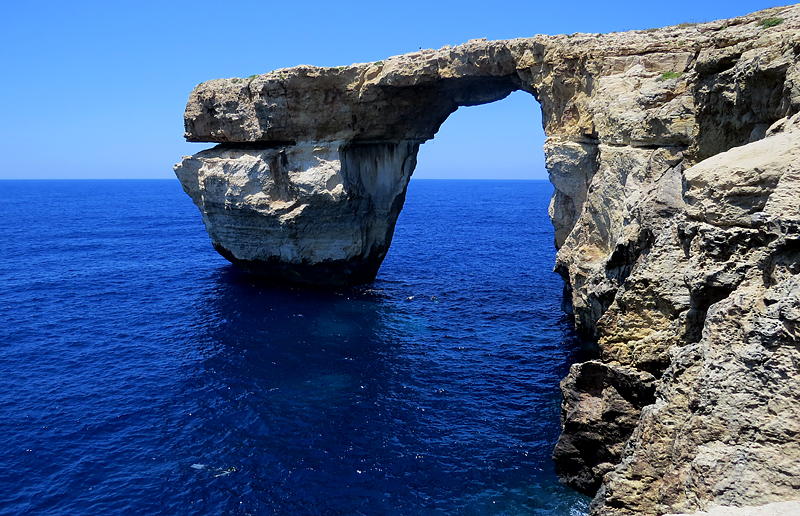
500 140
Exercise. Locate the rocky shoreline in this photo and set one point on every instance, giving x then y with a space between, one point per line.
675 156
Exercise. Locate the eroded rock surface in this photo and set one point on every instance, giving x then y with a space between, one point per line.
674 156
320 213
771 509
725 426
601 408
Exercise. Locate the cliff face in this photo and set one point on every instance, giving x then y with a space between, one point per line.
675 159
723 428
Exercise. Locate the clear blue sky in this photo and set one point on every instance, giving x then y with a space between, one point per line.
97 89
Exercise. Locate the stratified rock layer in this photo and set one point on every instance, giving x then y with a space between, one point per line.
674 156
320 213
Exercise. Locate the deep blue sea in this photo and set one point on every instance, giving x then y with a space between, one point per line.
140 373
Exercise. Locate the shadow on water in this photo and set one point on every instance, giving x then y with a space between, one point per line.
353 401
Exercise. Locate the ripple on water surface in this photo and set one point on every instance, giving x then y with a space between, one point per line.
144 375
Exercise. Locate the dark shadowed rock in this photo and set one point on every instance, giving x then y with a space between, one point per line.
600 408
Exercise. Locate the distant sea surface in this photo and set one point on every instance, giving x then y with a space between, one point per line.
140 373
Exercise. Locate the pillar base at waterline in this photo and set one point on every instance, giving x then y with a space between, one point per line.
334 273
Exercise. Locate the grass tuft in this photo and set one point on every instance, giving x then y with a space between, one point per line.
670 75
771 22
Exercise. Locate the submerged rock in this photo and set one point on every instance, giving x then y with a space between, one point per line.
675 159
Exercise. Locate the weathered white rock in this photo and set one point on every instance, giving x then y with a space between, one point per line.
732 189
313 213
571 166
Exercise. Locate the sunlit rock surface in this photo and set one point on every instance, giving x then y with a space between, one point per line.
320 213
674 156
772 509
725 425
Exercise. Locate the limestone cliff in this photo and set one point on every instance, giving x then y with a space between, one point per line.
675 158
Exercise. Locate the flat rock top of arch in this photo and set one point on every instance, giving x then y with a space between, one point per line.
407 97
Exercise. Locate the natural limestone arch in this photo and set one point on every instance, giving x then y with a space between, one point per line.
352 187
313 163
311 169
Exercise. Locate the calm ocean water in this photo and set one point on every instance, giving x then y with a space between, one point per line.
142 374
